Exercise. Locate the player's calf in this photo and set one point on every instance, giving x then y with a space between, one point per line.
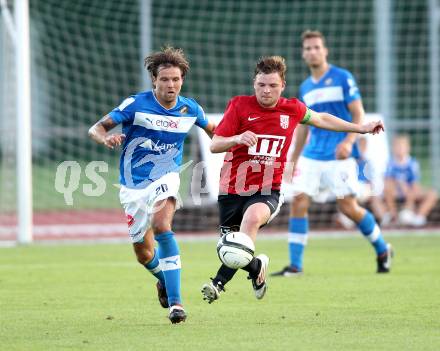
162 295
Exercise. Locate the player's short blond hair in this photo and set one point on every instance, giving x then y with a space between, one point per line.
166 57
271 64
309 34
403 137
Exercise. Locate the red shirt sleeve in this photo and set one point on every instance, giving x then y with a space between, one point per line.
301 109
229 125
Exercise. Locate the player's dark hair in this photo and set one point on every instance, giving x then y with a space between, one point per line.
271 64
309 34
166 57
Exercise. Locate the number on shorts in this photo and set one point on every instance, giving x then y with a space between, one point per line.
163 188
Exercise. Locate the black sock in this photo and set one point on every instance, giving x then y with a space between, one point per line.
224 275
253 268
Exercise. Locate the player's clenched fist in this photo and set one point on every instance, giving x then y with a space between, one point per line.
114 140
247 138
373 127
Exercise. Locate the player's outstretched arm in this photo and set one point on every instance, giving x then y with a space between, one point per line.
209 129
327 121
98 132
222 144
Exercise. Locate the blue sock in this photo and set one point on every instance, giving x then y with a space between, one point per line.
371 231
169 259
298 229
154 268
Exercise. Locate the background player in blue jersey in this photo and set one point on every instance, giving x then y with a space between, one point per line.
370 180
326 161
154 126
402 183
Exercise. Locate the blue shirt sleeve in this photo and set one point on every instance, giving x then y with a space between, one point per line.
389 171
350 88
414 172
124 112
201 120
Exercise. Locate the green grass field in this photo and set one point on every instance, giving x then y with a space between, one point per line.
95 297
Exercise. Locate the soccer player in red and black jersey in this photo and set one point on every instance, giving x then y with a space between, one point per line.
257 131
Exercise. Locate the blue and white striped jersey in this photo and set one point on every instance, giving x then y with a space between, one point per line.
332 94
154 136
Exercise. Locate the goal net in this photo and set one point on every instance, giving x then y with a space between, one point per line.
87 56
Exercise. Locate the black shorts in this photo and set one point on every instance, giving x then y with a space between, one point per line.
232 208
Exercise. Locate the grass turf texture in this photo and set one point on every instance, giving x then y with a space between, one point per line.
97 298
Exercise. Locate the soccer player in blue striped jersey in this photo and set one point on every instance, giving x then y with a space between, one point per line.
326 161
154 126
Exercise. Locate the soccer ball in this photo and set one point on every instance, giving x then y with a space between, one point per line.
235 249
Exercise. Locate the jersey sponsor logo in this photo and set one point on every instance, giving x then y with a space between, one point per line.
323 95
158 147
252 118
284 121
164 123
162 163
267 145
263 160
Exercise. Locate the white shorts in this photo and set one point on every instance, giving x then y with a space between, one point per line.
365 191
138 204
324 180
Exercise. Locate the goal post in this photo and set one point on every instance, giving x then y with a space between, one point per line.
23 129
16 146
434 73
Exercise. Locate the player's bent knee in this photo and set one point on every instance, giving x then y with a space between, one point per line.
299 206
161 227
253 222
144 256
352 210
